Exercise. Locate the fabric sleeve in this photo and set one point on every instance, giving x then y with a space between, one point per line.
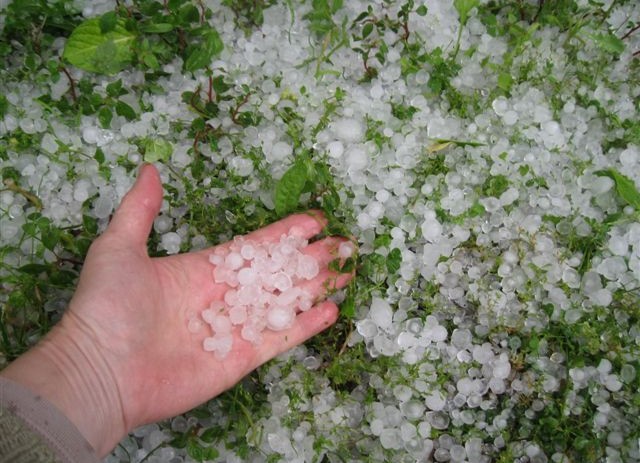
32 430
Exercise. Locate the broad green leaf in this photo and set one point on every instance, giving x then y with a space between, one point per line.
421 10
108 22
89 49
157 149
200 55
464 7
289 188
624 186
609 43
123 109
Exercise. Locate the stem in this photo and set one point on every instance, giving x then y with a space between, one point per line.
234 112
405 27
72 84
210 90
457 48
630 31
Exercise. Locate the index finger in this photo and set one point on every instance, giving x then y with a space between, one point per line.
305 225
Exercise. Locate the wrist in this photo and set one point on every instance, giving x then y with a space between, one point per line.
68 369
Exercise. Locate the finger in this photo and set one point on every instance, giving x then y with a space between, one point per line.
306 325
134 217
306 225
325 251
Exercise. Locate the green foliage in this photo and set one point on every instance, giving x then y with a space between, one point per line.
249 13
201 52
624 186
609 43
464 7
96 47
290 187
108 44
495 185
156 149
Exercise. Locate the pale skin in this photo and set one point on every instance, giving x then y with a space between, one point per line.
122 355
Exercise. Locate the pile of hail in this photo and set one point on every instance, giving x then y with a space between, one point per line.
265 288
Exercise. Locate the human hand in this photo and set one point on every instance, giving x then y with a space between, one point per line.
122 354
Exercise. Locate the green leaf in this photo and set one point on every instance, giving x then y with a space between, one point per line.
421 10
104 116
200 55
158 28
90 224
34 269
124 110
505 81
289 188
199 453
108 22
103 53
114 89
157 149
366 30
609 43
50 238
464 7
394 259
624 186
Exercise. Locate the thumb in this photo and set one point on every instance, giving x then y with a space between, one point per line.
134 217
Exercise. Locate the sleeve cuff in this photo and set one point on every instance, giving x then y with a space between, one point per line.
47 421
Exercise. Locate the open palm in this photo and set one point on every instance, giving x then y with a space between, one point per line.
134 309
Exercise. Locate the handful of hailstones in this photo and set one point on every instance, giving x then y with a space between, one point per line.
264 292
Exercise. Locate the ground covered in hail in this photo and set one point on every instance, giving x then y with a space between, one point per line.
485 155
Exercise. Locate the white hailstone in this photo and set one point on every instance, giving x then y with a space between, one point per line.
335 149
238 315
431 230
234 261
345 249
483 354
436 333
194 325
250 333
367 328
501 368
247 276
280 318
49 143
102 207
348 130
281 281
380 313
461 338
162 224
280 151
435 401
307 267
618 246
247 251
170 242
90 135
629 157
356 159
220 324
